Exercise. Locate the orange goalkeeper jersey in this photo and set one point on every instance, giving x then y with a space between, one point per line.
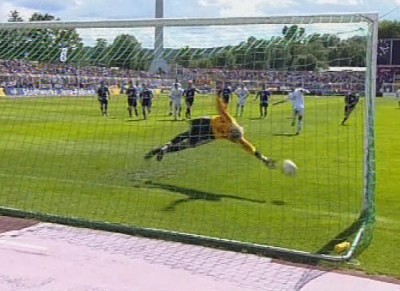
222 125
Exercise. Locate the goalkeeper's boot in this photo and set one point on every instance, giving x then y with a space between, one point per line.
163 151
160 154
152 153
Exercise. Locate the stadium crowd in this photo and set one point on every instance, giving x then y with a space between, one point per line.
35 75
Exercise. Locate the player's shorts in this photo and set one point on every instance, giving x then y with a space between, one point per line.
176 102
200 131
349 108
132 102
264 104
146 102
225 99
242 102
299 111
189 101
103 101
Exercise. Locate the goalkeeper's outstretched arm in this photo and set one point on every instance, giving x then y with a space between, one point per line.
247 146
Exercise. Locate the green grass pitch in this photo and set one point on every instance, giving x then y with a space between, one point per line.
60 156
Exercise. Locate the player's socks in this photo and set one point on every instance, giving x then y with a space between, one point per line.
299 127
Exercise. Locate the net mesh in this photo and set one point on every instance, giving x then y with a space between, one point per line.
61 157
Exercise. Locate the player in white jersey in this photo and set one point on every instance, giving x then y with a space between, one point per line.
297 99
176 96
398 96
242 94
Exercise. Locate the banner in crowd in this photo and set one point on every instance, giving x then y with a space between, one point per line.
23 92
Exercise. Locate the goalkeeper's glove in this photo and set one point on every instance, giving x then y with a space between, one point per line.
270 163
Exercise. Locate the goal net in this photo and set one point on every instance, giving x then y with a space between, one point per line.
162 175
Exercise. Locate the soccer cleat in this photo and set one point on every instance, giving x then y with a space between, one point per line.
160 155
152 153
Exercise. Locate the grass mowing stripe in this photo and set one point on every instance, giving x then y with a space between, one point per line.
92 167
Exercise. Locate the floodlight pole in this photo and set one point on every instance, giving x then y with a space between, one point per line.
159 34
158 63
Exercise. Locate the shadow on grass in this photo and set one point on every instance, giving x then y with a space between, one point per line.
278 202
193 195
284 134
172 120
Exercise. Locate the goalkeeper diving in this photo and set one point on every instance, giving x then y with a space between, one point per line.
206 129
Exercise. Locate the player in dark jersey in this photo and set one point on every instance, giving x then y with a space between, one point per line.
146 96
398 96
226 94
206 129
103 94
351 99
132 93
189 94
264 96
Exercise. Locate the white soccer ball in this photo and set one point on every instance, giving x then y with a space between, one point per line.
289 168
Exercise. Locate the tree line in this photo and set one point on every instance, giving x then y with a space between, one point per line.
292 50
